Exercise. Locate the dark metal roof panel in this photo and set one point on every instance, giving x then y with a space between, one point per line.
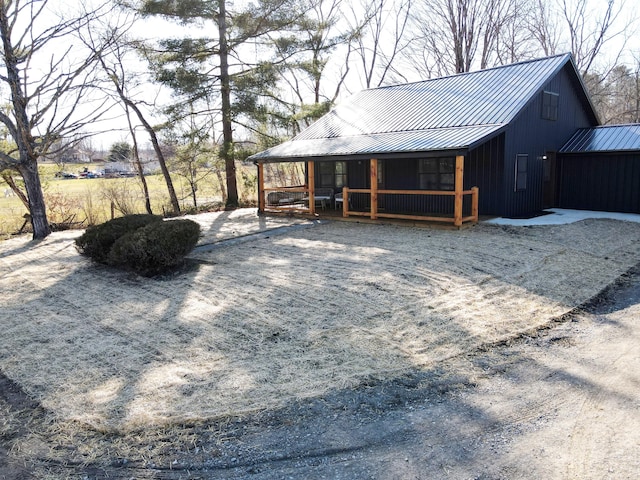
485 97
413 141
442 113
608 138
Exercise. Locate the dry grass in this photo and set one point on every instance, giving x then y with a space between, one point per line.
89 200
279 317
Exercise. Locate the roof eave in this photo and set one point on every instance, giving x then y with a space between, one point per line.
364 156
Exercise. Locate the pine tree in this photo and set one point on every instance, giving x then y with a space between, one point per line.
197 67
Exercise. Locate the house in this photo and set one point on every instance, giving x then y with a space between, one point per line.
599 169
447 149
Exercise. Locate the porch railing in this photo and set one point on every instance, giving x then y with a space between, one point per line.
456 217
300 199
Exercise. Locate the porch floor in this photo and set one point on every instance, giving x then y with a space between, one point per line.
333 214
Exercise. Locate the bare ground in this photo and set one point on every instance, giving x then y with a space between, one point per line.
328 351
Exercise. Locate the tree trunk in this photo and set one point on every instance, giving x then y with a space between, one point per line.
225 92
223 192
159 155
27 164
194 189
136 158
39 221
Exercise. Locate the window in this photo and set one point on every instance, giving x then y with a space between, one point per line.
340 174
437 173
332 174
550 102
326 174
521 172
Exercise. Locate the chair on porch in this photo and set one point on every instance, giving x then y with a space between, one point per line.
323 196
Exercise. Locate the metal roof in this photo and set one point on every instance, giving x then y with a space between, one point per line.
381 143
608 138
439 114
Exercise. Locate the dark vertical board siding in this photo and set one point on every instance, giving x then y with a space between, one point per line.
601 182
401 174
531 135
483 168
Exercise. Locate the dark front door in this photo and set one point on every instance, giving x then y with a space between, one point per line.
549 181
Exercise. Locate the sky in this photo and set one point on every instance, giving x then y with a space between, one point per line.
157 28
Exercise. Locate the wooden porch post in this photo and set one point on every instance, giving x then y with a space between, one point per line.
261 187
312 186
457 209
474 204
374 188
345 202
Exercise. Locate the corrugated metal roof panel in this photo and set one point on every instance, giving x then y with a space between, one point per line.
608 138
484 97
428 113
380 143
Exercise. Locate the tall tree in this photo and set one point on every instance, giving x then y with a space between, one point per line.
302 90
46 86
380 35
198 67
459 35
590 30
117 73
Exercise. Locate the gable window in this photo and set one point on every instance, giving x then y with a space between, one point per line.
436 173
332 174
521 172
550 103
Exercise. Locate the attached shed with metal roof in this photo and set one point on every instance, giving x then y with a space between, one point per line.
418 150
599 169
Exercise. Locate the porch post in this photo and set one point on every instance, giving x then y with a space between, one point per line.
474 204
312 186
261 187
374 188
457 209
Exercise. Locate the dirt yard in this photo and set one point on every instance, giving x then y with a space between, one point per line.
275 321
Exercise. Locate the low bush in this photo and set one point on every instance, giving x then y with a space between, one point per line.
156 247
97 240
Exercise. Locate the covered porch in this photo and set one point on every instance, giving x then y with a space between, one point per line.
425 189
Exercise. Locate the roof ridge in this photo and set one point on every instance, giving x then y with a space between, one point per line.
409 130
614 125
474 72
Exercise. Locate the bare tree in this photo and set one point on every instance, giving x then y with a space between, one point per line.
543 26
596 33
138 163
113 64
617 97
589 31
380 36
458 35
47 85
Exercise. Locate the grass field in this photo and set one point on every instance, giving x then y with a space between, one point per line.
84 201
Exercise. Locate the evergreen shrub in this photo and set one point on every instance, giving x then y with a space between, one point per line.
156 247
97 240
